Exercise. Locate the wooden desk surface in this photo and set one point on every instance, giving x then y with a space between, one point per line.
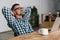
36 36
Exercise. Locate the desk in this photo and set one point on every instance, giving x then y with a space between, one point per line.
36 36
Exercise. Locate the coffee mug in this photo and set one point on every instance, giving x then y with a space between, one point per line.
43 31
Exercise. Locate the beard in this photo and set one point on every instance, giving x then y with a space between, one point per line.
21 14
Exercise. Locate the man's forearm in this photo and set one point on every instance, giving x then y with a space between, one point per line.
7 13
27 13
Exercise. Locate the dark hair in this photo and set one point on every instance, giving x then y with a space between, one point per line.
14 6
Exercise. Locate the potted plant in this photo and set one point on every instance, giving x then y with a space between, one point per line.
34 17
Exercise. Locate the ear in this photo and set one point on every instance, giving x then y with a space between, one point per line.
13 13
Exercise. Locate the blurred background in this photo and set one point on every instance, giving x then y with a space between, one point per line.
37 7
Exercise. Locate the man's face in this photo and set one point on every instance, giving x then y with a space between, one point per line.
18 10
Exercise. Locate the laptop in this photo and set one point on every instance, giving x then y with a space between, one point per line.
56 25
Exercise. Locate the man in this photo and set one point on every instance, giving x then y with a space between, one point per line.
19 23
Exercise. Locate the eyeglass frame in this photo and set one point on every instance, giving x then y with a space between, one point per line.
18 8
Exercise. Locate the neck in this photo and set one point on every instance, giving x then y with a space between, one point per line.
18 16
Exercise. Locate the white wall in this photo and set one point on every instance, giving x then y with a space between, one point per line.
47 6
58 4
42 6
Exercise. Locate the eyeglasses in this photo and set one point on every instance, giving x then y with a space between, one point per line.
19 8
